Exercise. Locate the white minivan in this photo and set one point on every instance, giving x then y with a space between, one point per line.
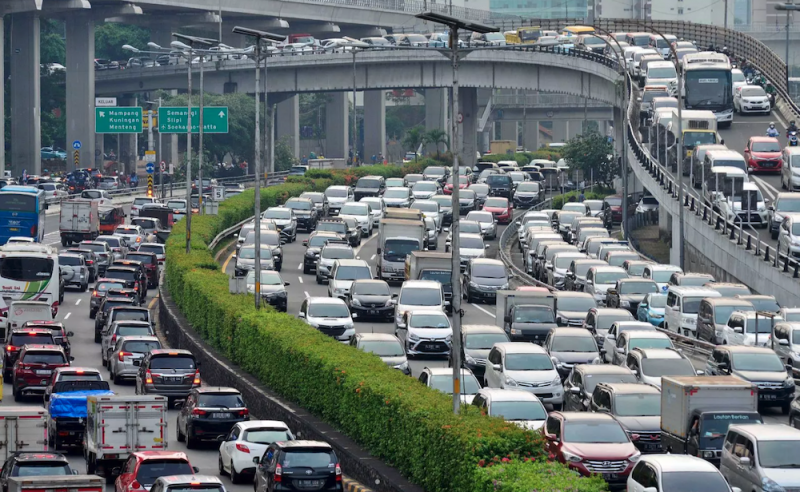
680 313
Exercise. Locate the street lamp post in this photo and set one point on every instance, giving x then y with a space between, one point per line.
258 36
789 7
453 24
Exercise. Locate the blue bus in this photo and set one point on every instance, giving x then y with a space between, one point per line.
22 213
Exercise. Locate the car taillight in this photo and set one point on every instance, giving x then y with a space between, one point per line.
114 338
11 348
90 262
122 355
196 378
338 473
95 294
148 378
198 411
33 231
241 447
244 413
278 473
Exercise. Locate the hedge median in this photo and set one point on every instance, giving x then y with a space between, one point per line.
394 417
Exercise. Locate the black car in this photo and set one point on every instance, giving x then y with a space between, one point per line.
142 272
476 342
371 299
102 312
500 185
303 465
314 245
209 414
304 212
134 279
368 186
17 339
34 463
338 226
273 289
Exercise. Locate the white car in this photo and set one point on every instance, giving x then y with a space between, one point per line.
425 332
601 278
134 235
423 190
398 196
660 274
416 295
738 79
487 222
328 315
337 197
378 208
441 379
525 367
751 99
464 227
651 364
431 209
741 329
246 441
518 407
179 207
672 472
608 348
362 213
789 235
138 202
19 239
470 246
342 275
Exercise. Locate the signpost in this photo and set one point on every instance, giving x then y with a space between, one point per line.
150 156
118 120
173 119
150 167
105 102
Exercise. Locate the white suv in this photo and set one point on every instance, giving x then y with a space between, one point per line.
416 295
789 235
329 316
526 367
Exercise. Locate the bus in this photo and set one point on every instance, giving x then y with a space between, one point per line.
708 85
28 272
22 213
571 31
524 35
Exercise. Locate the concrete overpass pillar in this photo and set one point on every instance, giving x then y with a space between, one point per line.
288 124
675 246
560 131
374 123
574 128
435 113
485 141
26 130
336 125
80 87
468 107
530 137
2 99
99 150
508 131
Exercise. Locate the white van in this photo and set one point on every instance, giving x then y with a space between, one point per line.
680 313
662 73
21 311
790 168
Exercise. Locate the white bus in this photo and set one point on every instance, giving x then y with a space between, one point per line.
708 84
29 272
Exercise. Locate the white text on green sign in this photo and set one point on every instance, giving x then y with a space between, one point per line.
118 120
173 119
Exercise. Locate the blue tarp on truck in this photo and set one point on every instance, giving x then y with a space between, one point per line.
72 404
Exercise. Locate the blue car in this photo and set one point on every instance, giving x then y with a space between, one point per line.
651 309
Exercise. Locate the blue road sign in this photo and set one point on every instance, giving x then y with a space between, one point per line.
76 144
150 168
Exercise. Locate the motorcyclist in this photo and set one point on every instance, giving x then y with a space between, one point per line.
792 128
772 131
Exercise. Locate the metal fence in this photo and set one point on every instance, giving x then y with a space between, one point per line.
544 100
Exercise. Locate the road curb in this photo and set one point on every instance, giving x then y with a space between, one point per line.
351 485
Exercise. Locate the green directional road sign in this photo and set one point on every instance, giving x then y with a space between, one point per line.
173 119
118 120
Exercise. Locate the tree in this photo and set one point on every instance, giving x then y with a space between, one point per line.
109 38
414 138
284 156
592 153
435 137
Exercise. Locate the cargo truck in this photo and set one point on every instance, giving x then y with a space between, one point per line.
79 221
525 316
697 410
397 239
23 429
403 213
117 426
502 146
426 265
66 421
56 483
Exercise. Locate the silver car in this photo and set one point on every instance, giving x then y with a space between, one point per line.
74 270
328 256
487 222
133 234
246 259
119 329
127 354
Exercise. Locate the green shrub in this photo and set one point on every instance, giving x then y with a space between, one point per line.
392 416
526 475
598 193
521 158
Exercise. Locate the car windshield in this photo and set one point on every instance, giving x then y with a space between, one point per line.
694 481
482 217
250 253
141 346
498 180
638 405
336 192
496 202
338 253
426 206
371 288
480 188
111 241
489 271
268 277
662 276
636 269
354 209
592 380
753 92
573 344
299 205
421 297
352 273
528 362
662 73
768 304
308 458
764 325
638 287
766 147
660 301
400 247
723 313
396 193
277 213
469 242
614 202
69 260
609 277
20 339
466 195
444 383
636 342
533 314
326 310
562 262
44 358
41 469
437 321
443 201
779 454
383 348
266 435
484 341
424 186
104 286
368 183
150 470
596 432
576 304
433 171
528 187
518 410
129 330
582 267
314 197
789 204
667 367
758 362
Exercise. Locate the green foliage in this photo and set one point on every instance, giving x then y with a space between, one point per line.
436 137
284 155
526 475
414 138
52 44
551 155
312 112
593 154
520 157
392 416
598 193
109 38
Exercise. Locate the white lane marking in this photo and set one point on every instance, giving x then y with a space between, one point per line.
306 293
300 266
77 302
480 308
301 279
372 257
766 187
780 119
53 244
67 316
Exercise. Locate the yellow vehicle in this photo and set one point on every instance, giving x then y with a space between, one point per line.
699 127
577 30
524 35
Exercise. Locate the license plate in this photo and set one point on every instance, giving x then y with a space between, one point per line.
651 447
220 415
310 483
767 397
373 311
43 372
610 476
176 380
14 229
431 346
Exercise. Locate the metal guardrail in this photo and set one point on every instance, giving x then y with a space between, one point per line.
545 100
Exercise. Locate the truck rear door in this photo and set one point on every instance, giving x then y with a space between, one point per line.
133 426
22 431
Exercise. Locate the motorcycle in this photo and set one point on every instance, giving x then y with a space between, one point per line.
792 139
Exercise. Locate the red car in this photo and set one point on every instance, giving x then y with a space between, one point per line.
500 207
612 210
463 182
19 338
763 154
143 468
591 443
34 367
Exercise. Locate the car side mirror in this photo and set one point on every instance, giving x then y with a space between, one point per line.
71 358
195 469
234 256
301 315
575 390
305 242
700 372
744 461
287 284
497 367
70 334
738 329
643 304
620 350
394 296
256 459
783 341
789 369
486 246
116 470
650 489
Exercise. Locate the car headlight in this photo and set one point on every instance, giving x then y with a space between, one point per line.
624 304
770 485
510 382
389 303
339 290
473 285
504 286
515 331
709 454
573 458
469 359
688 319
556 381
448 338
789 382
403 366
634 458
355 302
413 337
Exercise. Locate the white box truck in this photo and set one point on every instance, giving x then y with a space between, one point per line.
118 425
526 316
397 238
79 221
22 429
697 410
56 483
427 265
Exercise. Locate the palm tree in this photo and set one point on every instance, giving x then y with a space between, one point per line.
435 137
415 137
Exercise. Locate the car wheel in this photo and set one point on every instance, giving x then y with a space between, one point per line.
222 471
306 270
92 314
235 477
84 287
319 280
191 442
96 336
17 394
786 407
181 436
